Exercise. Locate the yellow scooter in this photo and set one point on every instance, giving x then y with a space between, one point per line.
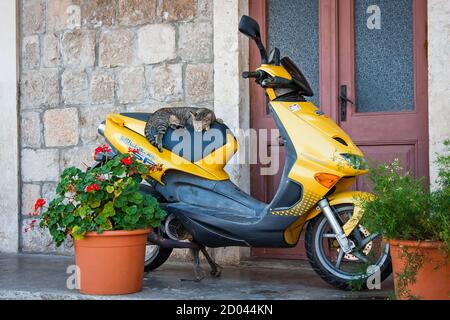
205 209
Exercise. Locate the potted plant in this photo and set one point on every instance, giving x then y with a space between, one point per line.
109 220
417 224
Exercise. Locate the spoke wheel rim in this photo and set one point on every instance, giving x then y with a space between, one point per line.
323 235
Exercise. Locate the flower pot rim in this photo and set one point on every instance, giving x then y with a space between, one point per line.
119 233
416 243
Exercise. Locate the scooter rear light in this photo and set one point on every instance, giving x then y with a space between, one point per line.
327 180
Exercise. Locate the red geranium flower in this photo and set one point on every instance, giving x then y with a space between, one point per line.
102 149
39 204
93 187
133 151
127 161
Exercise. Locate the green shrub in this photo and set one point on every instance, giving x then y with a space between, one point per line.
404 209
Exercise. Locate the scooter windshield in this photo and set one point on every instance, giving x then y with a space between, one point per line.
297 77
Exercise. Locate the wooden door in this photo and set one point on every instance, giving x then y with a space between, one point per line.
384 68
378 51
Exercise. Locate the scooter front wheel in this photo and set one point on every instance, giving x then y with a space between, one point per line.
368 263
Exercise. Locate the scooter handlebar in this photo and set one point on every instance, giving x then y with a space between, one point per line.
252 74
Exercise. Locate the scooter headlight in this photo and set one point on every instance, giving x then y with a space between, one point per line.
355 161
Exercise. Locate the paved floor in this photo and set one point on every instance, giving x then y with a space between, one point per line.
44 277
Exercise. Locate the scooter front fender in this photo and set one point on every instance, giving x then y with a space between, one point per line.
351 197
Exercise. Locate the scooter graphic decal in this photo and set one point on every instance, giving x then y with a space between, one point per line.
309 199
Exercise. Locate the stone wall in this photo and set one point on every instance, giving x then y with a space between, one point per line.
83 59
439 85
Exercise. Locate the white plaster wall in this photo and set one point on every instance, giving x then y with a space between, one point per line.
9 208
232 95
231 91
438 77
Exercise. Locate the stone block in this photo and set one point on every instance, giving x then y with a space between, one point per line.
116 48
31 52
61 127
75 87
33 17
136 12
40 88
96 13
40 165
78 48
90 119
50 51
196 42
30 129
178 10
199 83
156 43
30 193
62 14
131 84
165 83
102 87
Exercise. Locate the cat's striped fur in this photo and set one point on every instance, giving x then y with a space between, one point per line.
175 118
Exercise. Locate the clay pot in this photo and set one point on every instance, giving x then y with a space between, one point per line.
432 279
111 263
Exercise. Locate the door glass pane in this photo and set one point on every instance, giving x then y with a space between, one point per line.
293 27
384 55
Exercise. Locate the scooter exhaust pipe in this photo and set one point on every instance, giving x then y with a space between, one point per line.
159 240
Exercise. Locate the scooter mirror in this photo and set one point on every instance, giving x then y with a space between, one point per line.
250 28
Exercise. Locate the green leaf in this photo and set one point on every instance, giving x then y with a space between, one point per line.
94 204
110 189
136 198
82 211
131 210
108 210
77 233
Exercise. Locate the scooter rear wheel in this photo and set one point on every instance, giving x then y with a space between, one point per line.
346 271
155 257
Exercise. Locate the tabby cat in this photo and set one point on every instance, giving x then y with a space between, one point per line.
163 119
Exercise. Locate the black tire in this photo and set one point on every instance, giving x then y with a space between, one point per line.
160 256
158 260
343 280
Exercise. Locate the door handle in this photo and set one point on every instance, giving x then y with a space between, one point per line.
343 101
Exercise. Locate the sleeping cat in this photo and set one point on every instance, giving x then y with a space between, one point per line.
163 119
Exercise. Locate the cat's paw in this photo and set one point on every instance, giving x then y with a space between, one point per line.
160 146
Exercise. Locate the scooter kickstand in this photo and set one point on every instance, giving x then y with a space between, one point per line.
216 270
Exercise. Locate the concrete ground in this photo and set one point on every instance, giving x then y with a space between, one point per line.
44 277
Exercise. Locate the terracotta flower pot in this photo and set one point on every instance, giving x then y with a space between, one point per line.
432 279
111 263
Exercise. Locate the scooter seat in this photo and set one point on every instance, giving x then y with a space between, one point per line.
186 143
